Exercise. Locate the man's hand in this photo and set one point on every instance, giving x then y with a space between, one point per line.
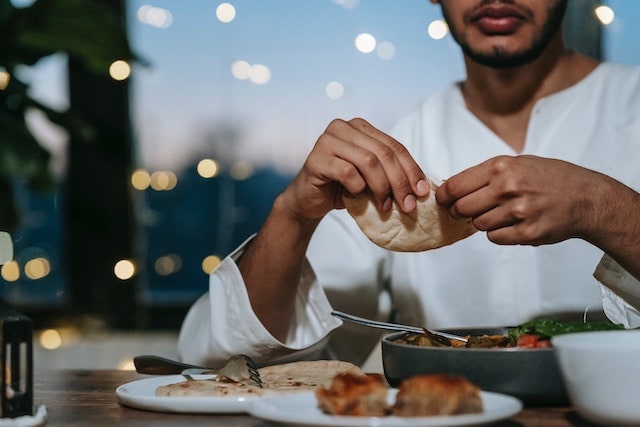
525 199
353 156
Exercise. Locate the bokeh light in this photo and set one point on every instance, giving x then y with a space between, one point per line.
119 70
260 74
124 269
438 29
140 179
167 264
10 271
365 43
241 70
386 51
255 73
225 12
37 268
208 168
50 339
334 90
163 180
210 263
241 170
605 14
347 4
5 78
154 16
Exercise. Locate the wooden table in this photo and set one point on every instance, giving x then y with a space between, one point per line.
87 398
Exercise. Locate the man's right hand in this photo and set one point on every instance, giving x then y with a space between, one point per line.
353 156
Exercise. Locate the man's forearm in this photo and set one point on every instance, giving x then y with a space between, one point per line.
617 230
271 267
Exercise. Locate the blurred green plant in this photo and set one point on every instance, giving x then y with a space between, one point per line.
89 32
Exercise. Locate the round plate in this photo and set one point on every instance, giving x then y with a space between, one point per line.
302 410
141 394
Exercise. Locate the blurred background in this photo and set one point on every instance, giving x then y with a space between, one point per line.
143 140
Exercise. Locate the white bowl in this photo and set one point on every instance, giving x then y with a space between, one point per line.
601 373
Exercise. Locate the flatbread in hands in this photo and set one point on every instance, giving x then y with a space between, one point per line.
429 226
277 380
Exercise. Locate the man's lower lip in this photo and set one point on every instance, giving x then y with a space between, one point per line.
503 25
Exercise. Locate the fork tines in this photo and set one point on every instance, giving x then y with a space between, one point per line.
253 370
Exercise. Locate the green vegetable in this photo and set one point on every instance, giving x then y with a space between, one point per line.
547 328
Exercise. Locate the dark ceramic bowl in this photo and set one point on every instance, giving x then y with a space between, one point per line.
532 375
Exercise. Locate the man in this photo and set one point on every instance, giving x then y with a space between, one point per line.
534 146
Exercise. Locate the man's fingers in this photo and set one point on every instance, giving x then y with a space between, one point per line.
405 177
474 204
353 166
466 182
494 219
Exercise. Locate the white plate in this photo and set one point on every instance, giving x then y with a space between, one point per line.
302 410
141 394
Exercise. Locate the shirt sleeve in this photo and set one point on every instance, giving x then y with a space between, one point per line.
222 323
620 293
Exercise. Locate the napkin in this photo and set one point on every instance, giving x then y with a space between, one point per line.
38 419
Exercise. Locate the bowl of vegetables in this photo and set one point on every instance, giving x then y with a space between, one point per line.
518 361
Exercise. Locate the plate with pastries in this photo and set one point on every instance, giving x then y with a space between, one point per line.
353 399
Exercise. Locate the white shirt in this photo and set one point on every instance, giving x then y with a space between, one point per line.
595 124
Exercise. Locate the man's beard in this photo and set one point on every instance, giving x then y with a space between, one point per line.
500 59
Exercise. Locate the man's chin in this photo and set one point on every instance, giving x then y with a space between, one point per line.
502 63
499 59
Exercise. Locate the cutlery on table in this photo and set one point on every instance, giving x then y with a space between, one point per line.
237 368
395 326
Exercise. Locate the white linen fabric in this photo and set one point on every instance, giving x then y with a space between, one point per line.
621 292
595 124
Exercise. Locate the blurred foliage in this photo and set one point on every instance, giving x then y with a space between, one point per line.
89 32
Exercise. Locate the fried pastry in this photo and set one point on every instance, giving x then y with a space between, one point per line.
349 394
437 394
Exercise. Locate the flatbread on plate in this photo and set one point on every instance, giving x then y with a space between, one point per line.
281 379
429 226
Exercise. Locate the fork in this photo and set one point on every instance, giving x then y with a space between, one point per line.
395 326
237 368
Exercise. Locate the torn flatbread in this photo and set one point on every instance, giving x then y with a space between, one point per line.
281 379
429 226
